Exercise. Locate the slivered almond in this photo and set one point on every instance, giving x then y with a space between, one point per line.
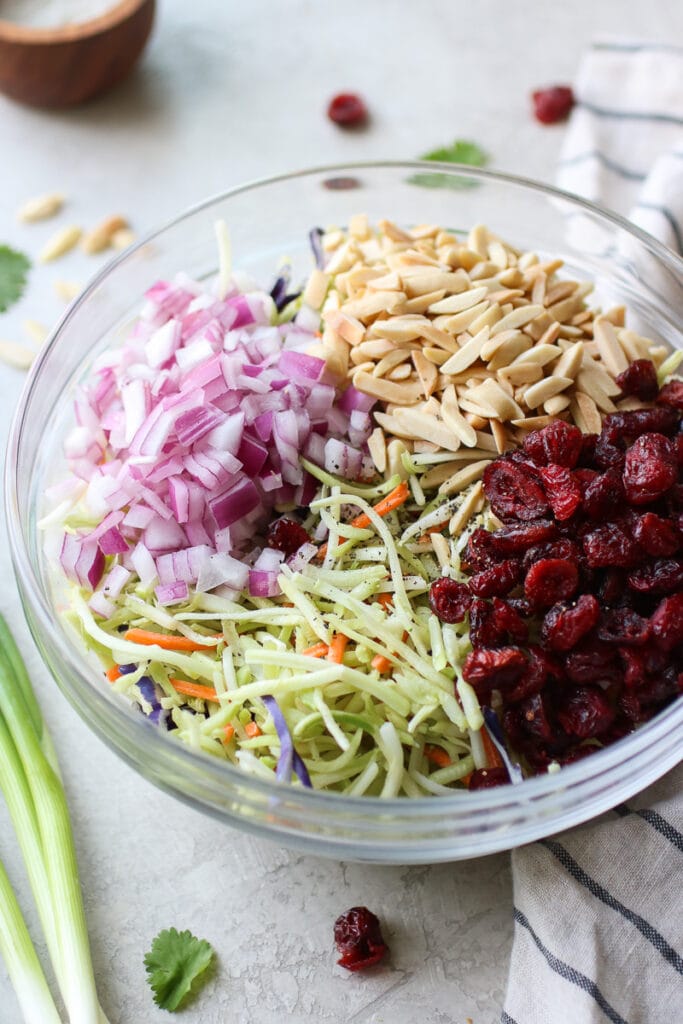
359 226
570 362
438 356
539 393
60 243
41 207
347 327
500 436
488 318
498 254
399 329
539 354
556 404
464 477
459 322
429 280
538 289
521 373
611 352
404 394
390 425
478 240
634 345
509 351
490 394
537 328
336 353
99 238
376 348
533 422
467 355
585 414
437 337
518 318
421 303
377 447
426 371
458 303
401 372
493 344
373 303
485 441
16 355
390 362
316 288
472 504
550 334
388 282
456 422
601 375
561 290
590 385
427 427
616 315
393 231
437 474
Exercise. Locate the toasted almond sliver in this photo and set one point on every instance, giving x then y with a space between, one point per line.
405 393
16 355
569 363
444 471
99 238
600 374
539 393
541 355
373 303
359 226
521 373
430 280
388 282
507 353
635 346
41 207
376 348
556 404
464 477
60 243
468 354
391 426
473 503
399 329
377 447
389 362
396 449
421 303
518 318
393 231
347 327
532 422
611 352
438 356
590 385
456 422
500 436
428 428
441 549
400 372
458 303
490 394
426 371
459 322
585 414
316 288
437 337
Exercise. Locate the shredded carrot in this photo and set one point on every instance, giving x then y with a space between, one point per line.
194 690
437 756
316 651
113 673
167 641
386 600
228 732
252 730
337 648
392 501
492 756
381 664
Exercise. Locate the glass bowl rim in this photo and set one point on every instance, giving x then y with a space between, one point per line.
158 746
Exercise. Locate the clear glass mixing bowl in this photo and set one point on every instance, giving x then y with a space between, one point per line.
269 220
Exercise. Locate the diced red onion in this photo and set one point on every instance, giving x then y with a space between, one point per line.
353 399
143 563
234 503
301 558
220 569
296 365
112 542
101 605
263 584
115 580
172 593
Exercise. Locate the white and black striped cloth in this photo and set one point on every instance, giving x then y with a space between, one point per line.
599 909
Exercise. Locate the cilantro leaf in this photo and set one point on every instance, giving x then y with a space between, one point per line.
174 963
13 269
461 151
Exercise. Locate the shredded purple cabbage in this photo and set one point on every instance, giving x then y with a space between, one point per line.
496 733
288 759
279 294
149 692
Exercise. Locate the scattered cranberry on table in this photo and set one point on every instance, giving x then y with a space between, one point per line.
347 110
553 104
358 937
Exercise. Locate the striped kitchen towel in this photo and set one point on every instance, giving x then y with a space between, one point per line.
624 144
598 910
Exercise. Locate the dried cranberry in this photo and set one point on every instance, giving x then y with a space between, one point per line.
639 379
623 626
629 706
549 581
347 109
514 491
672 394
613 587
564 626
534 716
489 669
607 454
498 580
623 426
487 778
286 535
650 469
508 621
480 552
662 576
561 548
655 535
513 540
633 661
585 713
667 622
358 937
533 679
562 491
496 624
591 663
611 545
563 443
604 495
587 453
449 600
552 104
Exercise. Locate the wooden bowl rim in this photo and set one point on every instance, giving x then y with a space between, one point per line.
11 32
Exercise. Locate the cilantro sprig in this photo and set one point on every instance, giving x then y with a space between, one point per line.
460 151
174 965
14 267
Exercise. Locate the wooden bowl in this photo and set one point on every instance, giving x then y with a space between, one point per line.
60 67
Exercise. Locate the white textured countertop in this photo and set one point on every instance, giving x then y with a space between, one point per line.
228 92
